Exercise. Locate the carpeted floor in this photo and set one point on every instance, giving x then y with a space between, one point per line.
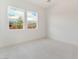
40 49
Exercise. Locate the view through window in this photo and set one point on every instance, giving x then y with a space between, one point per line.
32 19
15 17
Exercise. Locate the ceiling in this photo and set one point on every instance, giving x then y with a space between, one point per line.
43 3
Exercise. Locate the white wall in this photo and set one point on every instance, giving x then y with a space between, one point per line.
62 21
8 37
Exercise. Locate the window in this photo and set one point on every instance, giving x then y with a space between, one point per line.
32 19
16 18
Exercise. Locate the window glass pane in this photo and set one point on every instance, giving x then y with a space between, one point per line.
32 19
16 18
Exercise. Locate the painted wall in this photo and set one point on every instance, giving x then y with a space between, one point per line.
8 37
62 21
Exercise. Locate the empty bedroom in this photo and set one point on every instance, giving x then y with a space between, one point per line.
38 29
